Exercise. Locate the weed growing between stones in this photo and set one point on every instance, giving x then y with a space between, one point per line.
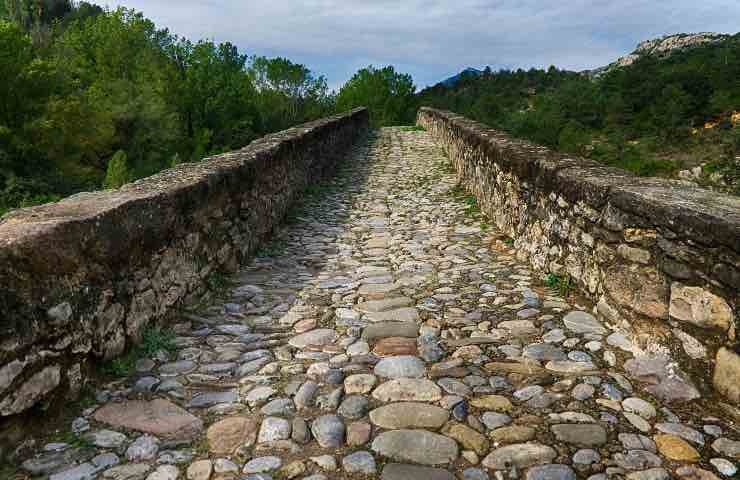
413 128
157 339
11 472
217 282
71 439
563 284
472 209
119 367
509 242
271 249
154 340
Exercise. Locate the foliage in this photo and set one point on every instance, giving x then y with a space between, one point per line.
154 339
287 93
117 174
83 87
564 284
638 117
388 95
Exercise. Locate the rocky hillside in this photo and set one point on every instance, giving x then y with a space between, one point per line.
661 47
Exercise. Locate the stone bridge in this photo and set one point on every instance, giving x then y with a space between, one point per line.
400 324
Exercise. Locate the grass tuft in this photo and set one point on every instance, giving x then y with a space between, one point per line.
154 339
564 284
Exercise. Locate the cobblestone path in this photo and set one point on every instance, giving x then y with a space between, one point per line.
388 332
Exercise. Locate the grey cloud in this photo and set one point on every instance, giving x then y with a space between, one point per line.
433 38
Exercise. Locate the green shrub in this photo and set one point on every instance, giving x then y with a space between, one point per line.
117 174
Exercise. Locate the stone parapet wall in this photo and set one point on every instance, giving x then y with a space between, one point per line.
82 278
660 258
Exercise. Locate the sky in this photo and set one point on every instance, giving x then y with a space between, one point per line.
434 39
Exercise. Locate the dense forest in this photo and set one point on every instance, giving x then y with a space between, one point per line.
93 98
648 117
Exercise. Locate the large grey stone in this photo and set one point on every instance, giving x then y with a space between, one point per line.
408 415
353 407
319 337
583 322
375 306
274 429
699 307
418 446
582 435
208 399
520 455
398 471
407 314
402 366
551 472
31 391
408 390
390 329
361 463
329 431
544 351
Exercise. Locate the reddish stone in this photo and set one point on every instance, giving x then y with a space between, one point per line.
358 433
159 417
228 435
305 325
392 346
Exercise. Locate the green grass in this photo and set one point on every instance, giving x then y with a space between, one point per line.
154 339
271 249
564 284
413 128
509 242
66 436
472 209
217 281
119 367
11 472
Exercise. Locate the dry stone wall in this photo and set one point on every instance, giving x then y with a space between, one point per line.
661 258
82 278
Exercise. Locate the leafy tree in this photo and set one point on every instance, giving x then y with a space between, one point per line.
287 93
637 117
213 95
388 95
81 85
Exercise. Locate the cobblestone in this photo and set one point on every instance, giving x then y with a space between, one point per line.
391 323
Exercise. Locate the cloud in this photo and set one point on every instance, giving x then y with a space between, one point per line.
432 39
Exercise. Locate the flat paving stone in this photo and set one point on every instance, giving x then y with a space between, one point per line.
402 366
392 336
408 389
409 415
397 471
418 446
158 417
318 337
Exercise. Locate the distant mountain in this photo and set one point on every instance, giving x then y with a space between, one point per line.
660 47
452 81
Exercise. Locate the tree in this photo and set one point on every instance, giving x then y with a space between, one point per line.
213 94
387 94
117 174
287 93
